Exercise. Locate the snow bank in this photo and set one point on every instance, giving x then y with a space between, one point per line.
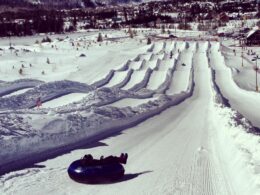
156 79
240 150
132 102
236 140
219 96
64 100
125 66
118 77
105 80
143 82
168 80
151 48
46 92
243 101
126 79
10 87
20 91
98 98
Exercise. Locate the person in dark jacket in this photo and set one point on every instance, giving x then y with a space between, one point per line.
87 159
38 102
90 161
114 159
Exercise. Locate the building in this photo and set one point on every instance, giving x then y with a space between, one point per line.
223 17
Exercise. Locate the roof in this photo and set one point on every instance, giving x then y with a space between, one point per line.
251 32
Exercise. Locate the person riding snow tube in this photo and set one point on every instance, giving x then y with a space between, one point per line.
89 170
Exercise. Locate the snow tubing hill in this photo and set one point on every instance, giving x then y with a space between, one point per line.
95 173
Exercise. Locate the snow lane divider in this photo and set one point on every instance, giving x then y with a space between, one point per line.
104 81
144 82
43 147
10 87
46 91
126 79
221 99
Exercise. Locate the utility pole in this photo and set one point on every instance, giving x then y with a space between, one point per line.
10 43
256 71
242 53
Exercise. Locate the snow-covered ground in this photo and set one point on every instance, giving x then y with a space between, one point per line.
64 100
185 111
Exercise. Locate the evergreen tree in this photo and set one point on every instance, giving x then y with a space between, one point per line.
74 22
100 38
163 29
149 41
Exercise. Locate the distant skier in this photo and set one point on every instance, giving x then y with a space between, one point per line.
21 71
38 102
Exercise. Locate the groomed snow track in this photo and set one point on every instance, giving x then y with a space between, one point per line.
165 101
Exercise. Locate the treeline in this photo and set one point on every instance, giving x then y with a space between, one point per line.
24 22
21 22
50 4
142 20
69 4
17 4
29 23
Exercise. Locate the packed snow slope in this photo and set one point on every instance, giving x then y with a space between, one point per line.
169 105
